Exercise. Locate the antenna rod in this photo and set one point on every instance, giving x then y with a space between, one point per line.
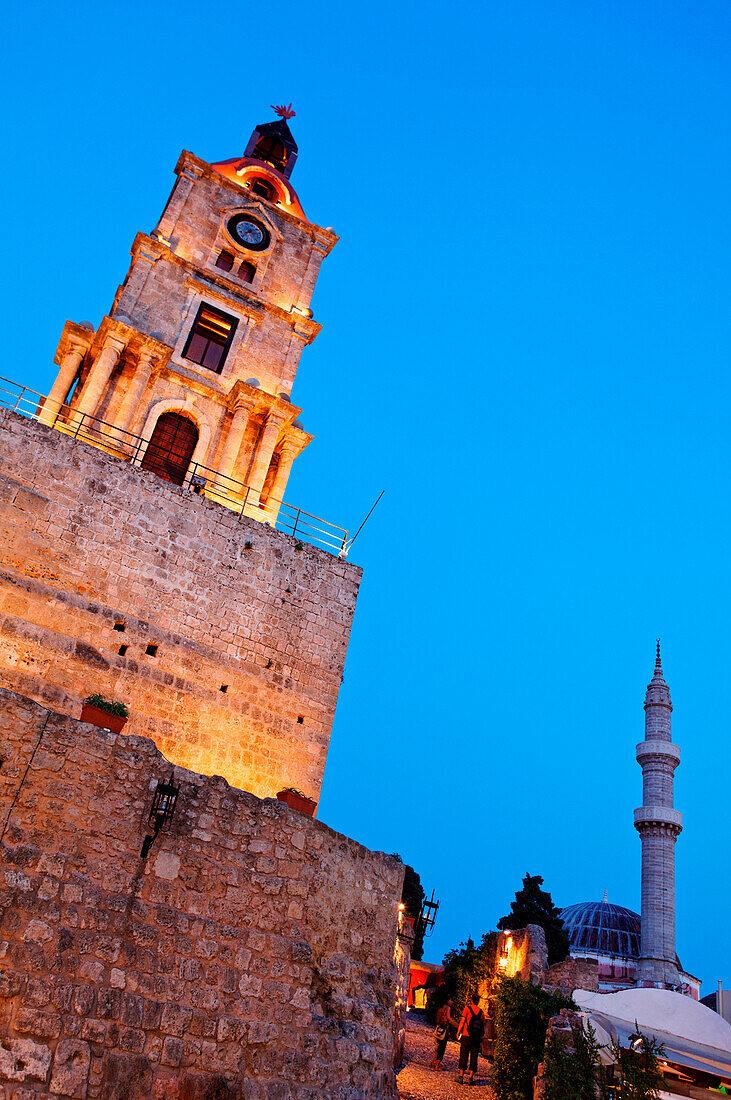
355 536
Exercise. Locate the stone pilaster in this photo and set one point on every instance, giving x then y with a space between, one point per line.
99 375
287 454
140 381
263 457
232 446
659 825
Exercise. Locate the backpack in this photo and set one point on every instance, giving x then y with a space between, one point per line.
476 1026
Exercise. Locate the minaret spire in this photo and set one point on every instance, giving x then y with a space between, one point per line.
658 824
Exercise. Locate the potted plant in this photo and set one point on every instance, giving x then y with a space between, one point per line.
297 801
107 714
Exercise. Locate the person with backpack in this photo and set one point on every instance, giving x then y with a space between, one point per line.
470 1031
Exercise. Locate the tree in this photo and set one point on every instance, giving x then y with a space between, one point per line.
535 906
412 895
465 968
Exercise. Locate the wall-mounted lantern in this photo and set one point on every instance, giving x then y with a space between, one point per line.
163 807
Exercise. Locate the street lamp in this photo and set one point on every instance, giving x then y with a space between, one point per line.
161 811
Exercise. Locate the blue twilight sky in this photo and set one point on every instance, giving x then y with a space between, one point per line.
526 344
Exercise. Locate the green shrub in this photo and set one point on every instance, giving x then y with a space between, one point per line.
571 1074
522 1012
119 710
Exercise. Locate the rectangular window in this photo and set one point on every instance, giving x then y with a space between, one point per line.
210 338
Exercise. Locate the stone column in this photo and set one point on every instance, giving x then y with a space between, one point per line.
264 452
232 446
64 381
99 375
288 453
137 386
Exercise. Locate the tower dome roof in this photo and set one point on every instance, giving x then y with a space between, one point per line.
603 928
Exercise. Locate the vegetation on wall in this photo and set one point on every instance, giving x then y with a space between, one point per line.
535 906
522 1012
111 706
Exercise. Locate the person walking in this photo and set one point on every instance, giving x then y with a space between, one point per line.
441 1031
470 1031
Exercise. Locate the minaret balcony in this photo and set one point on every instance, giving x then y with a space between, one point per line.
656 750
659 815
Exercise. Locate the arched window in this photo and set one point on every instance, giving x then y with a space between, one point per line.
171 447
247 271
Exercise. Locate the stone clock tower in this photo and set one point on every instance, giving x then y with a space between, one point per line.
148 554
191 372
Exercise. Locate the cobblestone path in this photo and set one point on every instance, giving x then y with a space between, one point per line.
417 1081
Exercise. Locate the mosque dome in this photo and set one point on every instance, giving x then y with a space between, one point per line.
605 929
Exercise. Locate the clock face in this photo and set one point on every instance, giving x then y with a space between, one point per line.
249 232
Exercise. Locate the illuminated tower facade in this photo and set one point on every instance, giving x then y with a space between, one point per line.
190 374
658 824
223 630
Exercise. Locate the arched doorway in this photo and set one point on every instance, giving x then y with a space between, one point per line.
171 447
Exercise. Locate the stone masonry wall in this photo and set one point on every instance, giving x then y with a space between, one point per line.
250 955
226 641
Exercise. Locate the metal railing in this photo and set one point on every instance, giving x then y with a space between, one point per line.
200 479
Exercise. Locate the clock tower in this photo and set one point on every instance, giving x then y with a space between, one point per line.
191 372
160 565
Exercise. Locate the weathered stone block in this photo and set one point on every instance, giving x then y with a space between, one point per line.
71 1063
22 1058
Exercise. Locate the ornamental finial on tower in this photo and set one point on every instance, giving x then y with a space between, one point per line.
283 112
657 658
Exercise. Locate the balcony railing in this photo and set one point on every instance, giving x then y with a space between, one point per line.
203 480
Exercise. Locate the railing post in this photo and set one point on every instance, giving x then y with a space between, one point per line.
296 521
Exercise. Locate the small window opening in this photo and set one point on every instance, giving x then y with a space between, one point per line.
223 688
263 188
151 650
210 338
247 271
301 719
122 650
225 260
119 626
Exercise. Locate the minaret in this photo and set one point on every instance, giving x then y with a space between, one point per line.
658 825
